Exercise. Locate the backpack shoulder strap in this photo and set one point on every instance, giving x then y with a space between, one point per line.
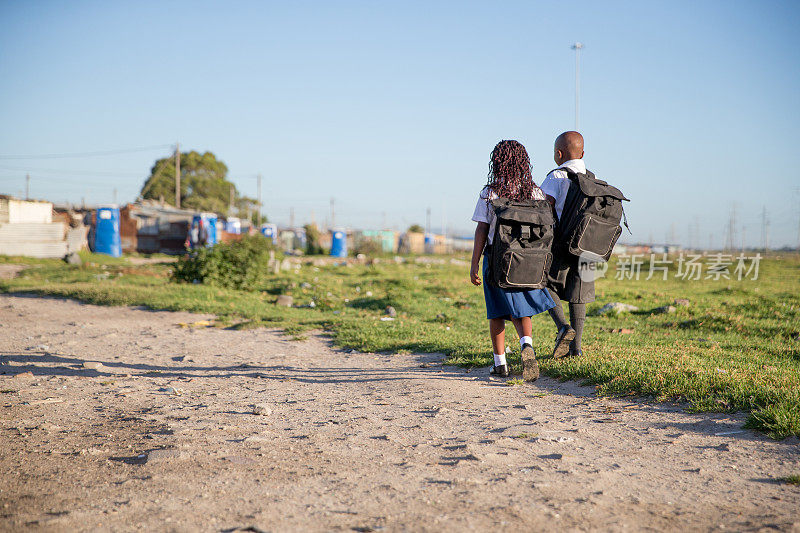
571 172
565 169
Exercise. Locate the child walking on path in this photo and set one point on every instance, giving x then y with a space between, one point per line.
565 281
510 176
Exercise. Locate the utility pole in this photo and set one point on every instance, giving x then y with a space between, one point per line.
577 47
230 200
764 229
27 186
333 215
291 217
428 220
731 241
259 199
444 219
744 236
177 175
697 232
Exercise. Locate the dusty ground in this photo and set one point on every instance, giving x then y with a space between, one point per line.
163 437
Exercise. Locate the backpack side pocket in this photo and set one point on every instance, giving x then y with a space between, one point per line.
595 236
524 268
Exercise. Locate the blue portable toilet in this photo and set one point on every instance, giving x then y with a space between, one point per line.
233 225
106 232
209 221
339 243
430 242
270 231
213 236
194 230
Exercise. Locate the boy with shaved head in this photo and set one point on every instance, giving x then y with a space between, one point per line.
565 283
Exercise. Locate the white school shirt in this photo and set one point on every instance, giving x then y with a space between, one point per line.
483 213
556 184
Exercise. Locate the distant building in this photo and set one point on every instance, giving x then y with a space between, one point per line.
150 227
412 243
28 228
387 239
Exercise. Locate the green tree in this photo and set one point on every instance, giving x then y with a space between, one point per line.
416 228
249 206
204 183
313 246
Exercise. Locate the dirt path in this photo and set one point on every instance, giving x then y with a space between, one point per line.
163 437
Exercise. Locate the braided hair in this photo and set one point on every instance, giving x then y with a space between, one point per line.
510 172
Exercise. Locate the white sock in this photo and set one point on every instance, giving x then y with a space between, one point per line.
499 360
525 340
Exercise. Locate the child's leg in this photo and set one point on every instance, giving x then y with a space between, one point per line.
497 329
524 328
530 368
565 334
557 312
577 316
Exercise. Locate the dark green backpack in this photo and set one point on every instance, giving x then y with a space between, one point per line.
590 221
519 256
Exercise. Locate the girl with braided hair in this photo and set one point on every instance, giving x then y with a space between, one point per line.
510 176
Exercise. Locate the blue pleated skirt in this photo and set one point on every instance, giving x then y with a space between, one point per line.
510 303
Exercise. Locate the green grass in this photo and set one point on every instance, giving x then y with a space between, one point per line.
792 480
735 348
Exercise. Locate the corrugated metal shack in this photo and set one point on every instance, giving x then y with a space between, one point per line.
412 243
151 227
27 228
387 239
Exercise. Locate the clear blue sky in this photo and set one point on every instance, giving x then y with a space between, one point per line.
689 107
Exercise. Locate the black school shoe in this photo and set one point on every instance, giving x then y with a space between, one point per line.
530 368
564 337
499 370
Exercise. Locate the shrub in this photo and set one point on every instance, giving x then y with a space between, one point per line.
313 246
235 265
368 247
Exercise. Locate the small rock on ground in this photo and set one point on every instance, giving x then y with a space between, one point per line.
73 259
164 455
616 308
261 409
666 309
284 300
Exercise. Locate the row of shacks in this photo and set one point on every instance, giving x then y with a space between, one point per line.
35 229
41 229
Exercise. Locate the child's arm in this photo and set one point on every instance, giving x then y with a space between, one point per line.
481 234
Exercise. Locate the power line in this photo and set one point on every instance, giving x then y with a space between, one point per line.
73 172
89 154
67 180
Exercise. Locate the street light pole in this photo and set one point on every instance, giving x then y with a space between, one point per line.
177 175
577 47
